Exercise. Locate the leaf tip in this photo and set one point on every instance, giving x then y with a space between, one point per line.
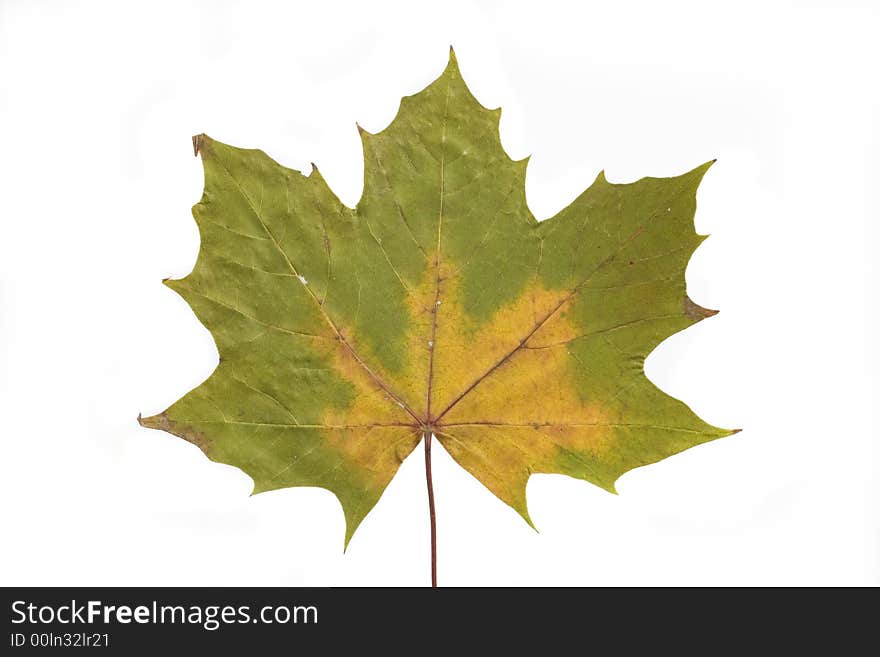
522 508
701 170
349 533
153 422
199 142
452 64
523 512
523 164
696 312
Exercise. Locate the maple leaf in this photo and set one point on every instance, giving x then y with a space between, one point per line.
438 306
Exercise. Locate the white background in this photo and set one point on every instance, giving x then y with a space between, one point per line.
97 105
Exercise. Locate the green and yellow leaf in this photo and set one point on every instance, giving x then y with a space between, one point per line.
438 304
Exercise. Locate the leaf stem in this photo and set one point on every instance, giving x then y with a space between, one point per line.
428 436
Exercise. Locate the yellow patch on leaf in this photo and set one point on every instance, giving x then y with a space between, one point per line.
464 351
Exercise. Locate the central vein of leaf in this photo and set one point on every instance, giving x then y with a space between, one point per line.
435 308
